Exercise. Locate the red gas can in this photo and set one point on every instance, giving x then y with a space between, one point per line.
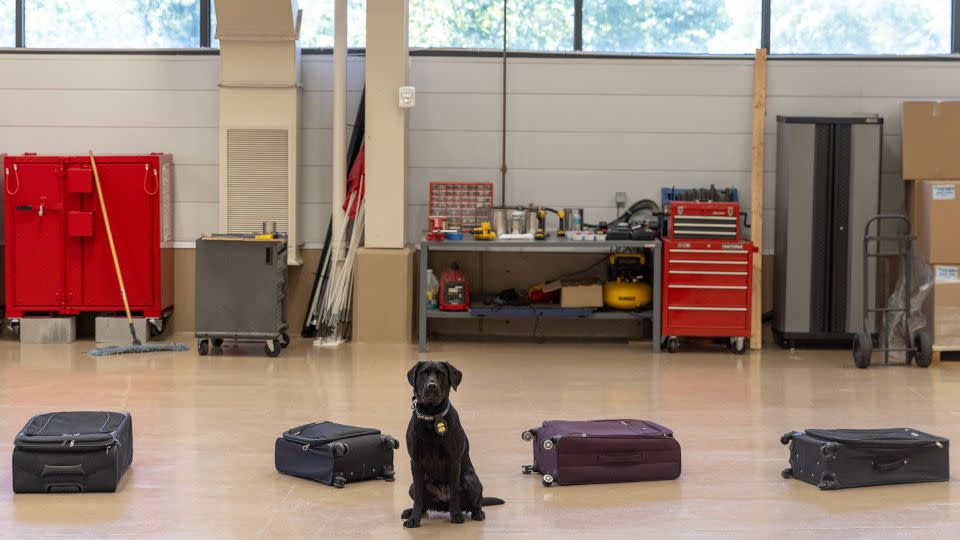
57 254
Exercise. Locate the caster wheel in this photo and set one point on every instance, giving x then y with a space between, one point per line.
284 340
924 346
787 473
829 451
339 449
155 327
862 350
548 444
273 348
526 469
673 344
527 436
738 345
203 346
787 437
218 342
391 443
388 474
547 480
339 482
15 328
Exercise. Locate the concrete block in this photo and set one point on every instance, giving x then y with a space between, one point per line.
116 330
48 330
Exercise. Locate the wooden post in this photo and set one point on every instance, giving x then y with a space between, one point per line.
756 194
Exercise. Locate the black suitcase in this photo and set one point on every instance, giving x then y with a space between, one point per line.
74 452
334 454
845 458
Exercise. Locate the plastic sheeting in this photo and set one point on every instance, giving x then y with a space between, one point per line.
894 324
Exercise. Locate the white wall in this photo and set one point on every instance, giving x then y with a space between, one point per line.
578 129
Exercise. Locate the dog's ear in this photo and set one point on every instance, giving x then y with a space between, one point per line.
454 374
412 374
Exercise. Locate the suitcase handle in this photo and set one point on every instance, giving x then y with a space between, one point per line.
890 465
621 459
62 470
64 488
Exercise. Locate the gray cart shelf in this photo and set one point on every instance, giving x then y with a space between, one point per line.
550 245
241 292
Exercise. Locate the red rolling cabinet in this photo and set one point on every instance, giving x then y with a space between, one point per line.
706 290
58 258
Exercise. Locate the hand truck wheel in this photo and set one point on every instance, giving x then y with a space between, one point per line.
924 349
862 349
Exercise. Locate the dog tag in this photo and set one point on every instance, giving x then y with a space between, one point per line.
440 427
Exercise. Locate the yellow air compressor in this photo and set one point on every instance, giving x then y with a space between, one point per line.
625 288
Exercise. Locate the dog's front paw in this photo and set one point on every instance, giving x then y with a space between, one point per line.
411 523
456 517
406 513
478 515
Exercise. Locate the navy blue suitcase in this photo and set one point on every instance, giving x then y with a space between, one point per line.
72 452
334 454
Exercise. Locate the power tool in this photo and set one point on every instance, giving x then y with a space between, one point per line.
483 232
541 232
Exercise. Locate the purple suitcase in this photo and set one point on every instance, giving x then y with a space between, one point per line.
602 451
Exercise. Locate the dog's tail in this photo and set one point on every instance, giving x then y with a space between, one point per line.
492 501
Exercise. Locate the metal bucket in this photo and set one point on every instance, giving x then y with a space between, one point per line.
517 222
499 221
531 221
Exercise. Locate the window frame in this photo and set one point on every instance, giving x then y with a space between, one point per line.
206 38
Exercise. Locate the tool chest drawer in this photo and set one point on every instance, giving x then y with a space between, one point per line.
707 320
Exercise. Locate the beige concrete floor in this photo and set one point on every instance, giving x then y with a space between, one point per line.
205 428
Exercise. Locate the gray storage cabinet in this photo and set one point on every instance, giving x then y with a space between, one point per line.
828 186
241 292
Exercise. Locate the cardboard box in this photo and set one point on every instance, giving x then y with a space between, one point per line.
946 307
581 294
382 296
931 140
933 207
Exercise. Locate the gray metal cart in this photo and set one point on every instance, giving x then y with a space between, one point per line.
241 290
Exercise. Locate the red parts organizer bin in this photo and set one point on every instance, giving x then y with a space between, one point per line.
706 289
58 258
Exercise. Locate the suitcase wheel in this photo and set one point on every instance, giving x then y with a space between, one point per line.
829 451
339 449
388 474
787 473
527 469
548 444
391 443
827 481
787 437
339 482
527 435
547 480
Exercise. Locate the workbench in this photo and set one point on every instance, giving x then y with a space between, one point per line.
550 245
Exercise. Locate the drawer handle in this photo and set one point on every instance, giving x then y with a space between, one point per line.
698 308
714 251
707 273
688 261
719 287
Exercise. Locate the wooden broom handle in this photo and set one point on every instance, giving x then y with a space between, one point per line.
113 248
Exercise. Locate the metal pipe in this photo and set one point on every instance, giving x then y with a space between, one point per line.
339 182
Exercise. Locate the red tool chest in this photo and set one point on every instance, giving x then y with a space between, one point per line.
58 258
696 219
706 290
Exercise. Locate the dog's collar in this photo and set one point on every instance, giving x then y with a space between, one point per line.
429 417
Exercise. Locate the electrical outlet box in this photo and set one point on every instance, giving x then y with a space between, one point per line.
621 198
408 97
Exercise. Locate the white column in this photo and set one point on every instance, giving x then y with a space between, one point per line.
386 123
339 178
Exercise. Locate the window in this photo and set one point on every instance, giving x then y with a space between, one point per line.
860 26
671 26
133 24
533 25
8 23
316 29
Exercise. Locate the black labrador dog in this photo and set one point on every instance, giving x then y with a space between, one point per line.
444 479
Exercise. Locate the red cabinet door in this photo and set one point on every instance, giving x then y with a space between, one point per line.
128 191
35 193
